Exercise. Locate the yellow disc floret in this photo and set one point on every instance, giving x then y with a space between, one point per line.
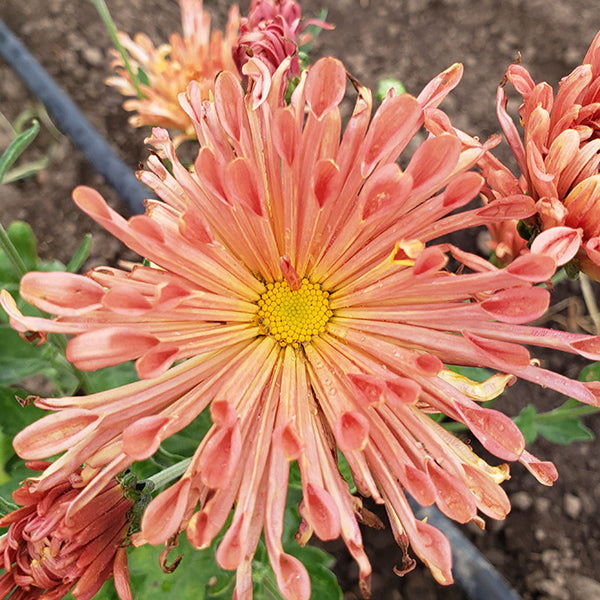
294 316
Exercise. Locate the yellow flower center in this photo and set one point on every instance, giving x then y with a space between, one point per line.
294 316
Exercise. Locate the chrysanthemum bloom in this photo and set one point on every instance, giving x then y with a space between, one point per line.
197 56
291 290
47 550
558 158
272 31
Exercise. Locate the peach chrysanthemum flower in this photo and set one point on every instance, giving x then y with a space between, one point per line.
291 290
47 551
197 56
558 158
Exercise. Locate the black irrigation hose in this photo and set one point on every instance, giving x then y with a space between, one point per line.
472 571
71 121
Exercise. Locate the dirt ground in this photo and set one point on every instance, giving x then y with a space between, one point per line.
549 546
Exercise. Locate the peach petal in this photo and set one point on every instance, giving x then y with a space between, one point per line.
403 390
107 347
429 364
391 128
64 294
55 433
434 549
588 346
230 551
440 86
242 186
430 261
156 361
207 169
142 438
561 243
462 189
220 457
292 577
145 227
497 432
321 512
452 496
491 498
352 431
544 471
433 162
532 267
325 86
517 305
126 300
121 575
324 181
382 189
229 102
369 388
284 134
194 228
163 516
223 414
286 438
506 353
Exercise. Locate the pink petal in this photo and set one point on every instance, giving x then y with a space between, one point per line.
383 189
352 431
369 388
142 438
321 512
292 578
126 300
242 185
532 267
504 353
229 102
64 294
561 243
156 361
324 181
393 125
163 516
220 457
517 305
107 347
325 86
284 134
55 433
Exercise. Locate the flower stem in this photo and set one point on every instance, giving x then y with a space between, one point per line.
170 473
112 30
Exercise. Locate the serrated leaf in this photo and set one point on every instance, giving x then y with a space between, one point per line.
565 431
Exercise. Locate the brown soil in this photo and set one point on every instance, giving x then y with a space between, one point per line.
549 546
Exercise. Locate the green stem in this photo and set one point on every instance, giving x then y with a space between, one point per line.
568 413
11 252
170 473
112 30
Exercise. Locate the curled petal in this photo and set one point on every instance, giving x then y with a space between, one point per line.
352 431
325 86
561 243
107 347
321 512
55 433
220 457
142 438
64 294
517 305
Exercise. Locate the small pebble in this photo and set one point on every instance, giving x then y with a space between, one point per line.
572 505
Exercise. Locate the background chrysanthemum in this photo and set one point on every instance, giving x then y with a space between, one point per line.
283 220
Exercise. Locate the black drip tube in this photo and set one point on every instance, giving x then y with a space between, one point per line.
472 571
69 119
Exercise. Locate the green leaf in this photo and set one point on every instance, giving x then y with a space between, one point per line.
81 254
23 238
109 377
17 147
565 431
21 361
590 372
384 85
473 373
15 416
526 422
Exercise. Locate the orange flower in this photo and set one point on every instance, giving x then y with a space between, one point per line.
558 158
292 292
197 56
47 550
